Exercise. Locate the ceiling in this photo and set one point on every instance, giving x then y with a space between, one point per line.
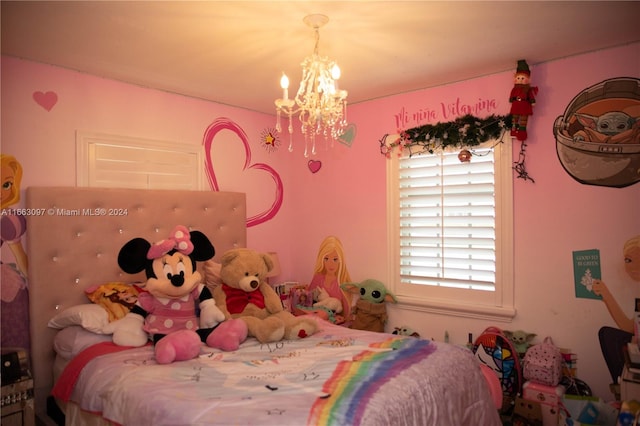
234 52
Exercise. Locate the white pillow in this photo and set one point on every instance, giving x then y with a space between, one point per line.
89 316
72 340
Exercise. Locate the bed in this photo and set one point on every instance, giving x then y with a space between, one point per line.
337 376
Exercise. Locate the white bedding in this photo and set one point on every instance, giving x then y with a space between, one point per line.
338 376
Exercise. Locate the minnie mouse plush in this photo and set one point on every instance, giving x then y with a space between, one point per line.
166 309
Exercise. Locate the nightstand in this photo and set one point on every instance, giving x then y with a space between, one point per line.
17 404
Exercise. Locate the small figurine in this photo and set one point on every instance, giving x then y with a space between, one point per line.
522 98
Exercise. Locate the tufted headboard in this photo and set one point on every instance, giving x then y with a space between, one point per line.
74 236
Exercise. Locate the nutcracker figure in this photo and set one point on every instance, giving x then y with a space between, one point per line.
522 98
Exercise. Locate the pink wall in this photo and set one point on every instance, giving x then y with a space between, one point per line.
346 197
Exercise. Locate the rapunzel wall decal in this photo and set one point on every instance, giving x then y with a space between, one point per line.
210 135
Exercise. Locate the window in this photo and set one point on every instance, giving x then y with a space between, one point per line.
451 232
125 162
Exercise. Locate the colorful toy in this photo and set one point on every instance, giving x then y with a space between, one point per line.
246 295
370 312
166 309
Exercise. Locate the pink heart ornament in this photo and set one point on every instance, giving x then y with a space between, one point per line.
314 165
46 100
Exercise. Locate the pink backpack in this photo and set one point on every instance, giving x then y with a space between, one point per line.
543 363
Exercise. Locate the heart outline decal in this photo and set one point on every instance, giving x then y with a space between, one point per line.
224 123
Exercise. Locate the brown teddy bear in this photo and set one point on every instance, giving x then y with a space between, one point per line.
245 294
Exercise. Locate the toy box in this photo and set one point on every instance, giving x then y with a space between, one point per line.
549 398
549 395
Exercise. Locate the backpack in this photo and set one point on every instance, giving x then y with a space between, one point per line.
542 363
494 349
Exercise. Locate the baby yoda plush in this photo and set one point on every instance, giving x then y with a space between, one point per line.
521 340
370 312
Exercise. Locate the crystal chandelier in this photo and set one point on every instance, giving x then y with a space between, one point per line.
321 106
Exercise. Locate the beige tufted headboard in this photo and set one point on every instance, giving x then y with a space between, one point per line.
74 236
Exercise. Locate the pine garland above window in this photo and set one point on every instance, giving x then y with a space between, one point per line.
463 132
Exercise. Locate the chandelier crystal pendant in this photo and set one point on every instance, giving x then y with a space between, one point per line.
320 104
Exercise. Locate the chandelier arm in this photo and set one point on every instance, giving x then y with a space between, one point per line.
317 35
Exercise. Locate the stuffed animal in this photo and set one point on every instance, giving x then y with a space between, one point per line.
245 294
405 331
370 312
521 340
166 309
325 301
522 98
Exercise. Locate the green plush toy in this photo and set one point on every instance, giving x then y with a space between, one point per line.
370 312
521 340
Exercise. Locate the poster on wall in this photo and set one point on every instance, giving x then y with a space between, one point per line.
586 269
598 136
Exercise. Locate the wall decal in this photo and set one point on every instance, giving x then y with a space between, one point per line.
270 140
314 165
612 337
598 136
349 134
46 100
14 290
209 136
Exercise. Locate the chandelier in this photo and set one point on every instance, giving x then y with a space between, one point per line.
321 106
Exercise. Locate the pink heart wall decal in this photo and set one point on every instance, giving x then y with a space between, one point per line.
209 136
46 100
314 165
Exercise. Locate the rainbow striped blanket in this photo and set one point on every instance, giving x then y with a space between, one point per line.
355 382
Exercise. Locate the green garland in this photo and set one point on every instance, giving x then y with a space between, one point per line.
463 132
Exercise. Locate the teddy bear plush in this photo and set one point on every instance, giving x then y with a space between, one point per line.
370 312
166 308
245 294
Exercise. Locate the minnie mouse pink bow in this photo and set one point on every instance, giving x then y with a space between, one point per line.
180 239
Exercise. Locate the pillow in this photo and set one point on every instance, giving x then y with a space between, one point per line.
72 340
115 297
89 316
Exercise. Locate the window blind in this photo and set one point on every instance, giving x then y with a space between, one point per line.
447 220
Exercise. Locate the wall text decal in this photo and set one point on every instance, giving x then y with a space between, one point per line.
445 111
